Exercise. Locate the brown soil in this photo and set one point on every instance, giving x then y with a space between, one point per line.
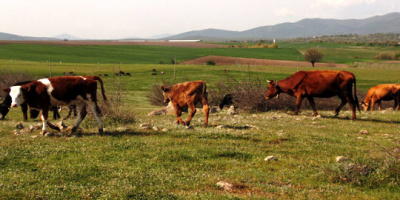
222 60
115 42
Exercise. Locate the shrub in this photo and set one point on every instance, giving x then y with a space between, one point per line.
210 62
386 56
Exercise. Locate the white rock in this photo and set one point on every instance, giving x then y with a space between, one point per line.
155 128
341 159
225 185
164 130
145 126
231 110
270 158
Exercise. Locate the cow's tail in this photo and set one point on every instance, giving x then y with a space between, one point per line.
355 96
204 90
97 78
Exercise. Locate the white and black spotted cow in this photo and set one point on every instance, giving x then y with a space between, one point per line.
58 91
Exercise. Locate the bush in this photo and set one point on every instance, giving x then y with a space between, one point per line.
210 62
386 56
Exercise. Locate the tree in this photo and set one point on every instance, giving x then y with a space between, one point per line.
313 56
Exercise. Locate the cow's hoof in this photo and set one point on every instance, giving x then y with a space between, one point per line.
43 132
101 132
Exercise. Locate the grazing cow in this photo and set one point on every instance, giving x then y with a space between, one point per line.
105 74
128 74
384 92
45 93
227 100
323 84
122 73
187 94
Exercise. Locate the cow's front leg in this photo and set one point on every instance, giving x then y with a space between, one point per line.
192 108
298 104
178 113
396 103
24 108
43 117
312 104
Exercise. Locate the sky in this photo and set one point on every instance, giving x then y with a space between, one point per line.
118 19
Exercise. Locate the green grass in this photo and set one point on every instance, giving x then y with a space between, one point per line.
134 54
182 163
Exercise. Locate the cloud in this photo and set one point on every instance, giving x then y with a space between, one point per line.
343 3
282 12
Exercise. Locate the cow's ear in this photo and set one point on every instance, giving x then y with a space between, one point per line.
27 88
163 88
7 90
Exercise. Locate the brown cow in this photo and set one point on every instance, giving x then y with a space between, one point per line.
47 92
187 94
384 92
323 84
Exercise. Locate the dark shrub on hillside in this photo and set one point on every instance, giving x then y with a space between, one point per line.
210 62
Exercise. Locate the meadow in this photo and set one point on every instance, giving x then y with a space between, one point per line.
174 162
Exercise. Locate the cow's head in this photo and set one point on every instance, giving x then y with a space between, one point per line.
273 90
365 105
17 94
166 93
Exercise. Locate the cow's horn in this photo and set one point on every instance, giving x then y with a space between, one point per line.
268 81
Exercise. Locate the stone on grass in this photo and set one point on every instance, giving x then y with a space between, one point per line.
155 128
341 159
225 185
122 129
270 158
364 132
145 126
231 110
221 126
164 130
17 132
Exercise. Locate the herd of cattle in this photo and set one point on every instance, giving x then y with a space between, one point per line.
80 92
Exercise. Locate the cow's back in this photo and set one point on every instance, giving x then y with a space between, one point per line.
184 91
68 89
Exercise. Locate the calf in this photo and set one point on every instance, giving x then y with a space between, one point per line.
384 92
45 93
187 94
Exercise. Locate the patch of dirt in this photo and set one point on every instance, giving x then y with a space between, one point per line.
224 60
116 42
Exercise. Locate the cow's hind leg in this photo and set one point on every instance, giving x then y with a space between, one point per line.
97 114
81 115
312 104
192 108
352 104
206 111
342 103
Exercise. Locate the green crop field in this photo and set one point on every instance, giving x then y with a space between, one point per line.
173 162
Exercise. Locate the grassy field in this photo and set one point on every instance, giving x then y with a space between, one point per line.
173 162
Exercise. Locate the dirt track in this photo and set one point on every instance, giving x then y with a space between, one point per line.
222 60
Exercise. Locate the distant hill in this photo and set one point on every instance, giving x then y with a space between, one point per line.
389 23
67 37
7 36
